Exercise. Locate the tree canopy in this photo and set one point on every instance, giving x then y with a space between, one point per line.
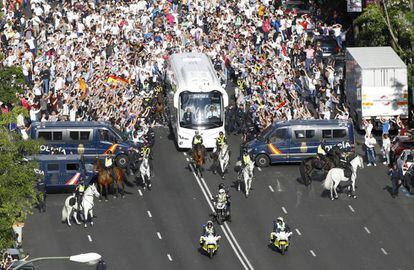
17 183
11 82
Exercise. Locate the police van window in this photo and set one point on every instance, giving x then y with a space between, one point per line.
46 135
279 135
327 133
103 135
52 167
339 133
84 135
72 167
304 134
74 135
57 136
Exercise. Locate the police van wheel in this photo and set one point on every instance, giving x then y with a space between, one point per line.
262 160
121 161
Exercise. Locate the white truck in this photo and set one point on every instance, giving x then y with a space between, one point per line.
375 84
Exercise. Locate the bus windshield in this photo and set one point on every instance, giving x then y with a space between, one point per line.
201 110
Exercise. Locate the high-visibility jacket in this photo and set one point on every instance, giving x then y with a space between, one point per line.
321 150
246 159
108 162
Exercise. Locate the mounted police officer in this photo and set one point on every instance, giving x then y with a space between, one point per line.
246 160
197 139
79 191
109 164
220 141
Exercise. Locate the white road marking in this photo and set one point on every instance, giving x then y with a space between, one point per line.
260 169
169 257
140 192
271 189
384 251
185 153
226 229
313 253
149 213
89 238
298 232
279 187
284 210
366 229
187 159
159 235
350 208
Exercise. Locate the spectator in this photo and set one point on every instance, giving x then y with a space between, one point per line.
370 143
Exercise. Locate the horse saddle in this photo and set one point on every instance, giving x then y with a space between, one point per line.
347 169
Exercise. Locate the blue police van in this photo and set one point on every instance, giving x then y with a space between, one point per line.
293 141
84 138
64 171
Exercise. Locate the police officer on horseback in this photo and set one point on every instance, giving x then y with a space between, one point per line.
197 139
109 164
220 140
246 160
79 191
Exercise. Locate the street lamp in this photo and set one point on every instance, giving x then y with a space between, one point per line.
91 258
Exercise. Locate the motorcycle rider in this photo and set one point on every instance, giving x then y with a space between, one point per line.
279 226
223 197
207 230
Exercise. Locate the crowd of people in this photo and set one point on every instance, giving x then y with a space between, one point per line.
102 60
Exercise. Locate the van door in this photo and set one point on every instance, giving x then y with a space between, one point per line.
52 173
303 144
106 141
80 141
278 145
71 173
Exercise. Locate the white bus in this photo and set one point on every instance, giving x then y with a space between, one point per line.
196 100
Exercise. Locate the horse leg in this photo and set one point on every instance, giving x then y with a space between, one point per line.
106 191
91 213
86 216
115 195
149 182
144 184
69 216
335 186
75 216
100 191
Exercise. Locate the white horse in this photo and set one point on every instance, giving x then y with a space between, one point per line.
247 174
71 207
145 171
336 175
223 158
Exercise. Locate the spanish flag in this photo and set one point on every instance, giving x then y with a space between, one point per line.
115 79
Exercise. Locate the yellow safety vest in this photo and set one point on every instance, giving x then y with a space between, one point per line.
220 140
246 159
321 151
81 188
108 162
197 140
146 151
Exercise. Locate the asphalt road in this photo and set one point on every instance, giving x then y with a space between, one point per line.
159 229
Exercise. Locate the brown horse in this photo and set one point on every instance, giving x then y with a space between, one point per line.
198 155
159 108
105 179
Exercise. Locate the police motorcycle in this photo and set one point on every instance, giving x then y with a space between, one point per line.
222 205
209 240
280 239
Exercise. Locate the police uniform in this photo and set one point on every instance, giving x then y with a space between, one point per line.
197 139
79 191
109 165
220 141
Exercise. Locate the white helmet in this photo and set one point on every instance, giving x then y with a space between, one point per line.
280 219
221 191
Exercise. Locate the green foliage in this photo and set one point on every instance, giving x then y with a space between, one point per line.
17 183
11 82
373 29
10 117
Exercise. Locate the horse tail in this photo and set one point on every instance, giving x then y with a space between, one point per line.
327 183
64 213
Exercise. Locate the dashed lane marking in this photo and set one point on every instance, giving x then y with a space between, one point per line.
187 159
366 229
298 232
271 189
284 210
140 192
260 169
159 235
350 208
185 153
169 257
384 251
149 213
313 253
279 188
89 238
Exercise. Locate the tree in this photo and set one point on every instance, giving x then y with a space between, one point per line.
17 183
11 82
